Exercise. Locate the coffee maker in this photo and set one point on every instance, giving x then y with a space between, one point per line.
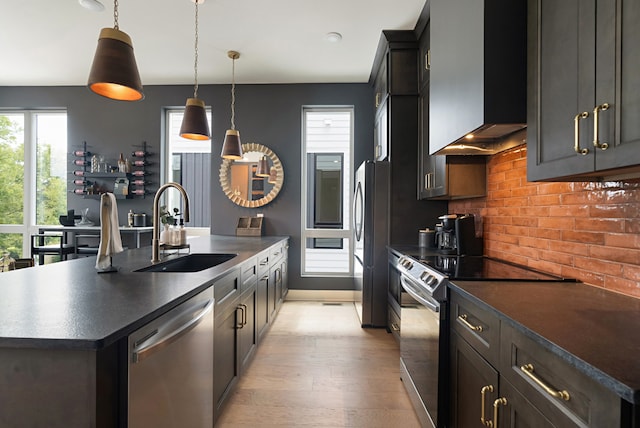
456 235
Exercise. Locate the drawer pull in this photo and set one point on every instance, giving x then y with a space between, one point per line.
528 370
483 392
463 320
394 327
499 402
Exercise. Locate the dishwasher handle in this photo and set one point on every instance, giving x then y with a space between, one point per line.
166 339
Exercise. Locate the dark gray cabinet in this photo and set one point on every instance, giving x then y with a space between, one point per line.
262 291
499 372
477 70
583 78
246 316
394 76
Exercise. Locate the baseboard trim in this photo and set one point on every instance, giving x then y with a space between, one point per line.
321 295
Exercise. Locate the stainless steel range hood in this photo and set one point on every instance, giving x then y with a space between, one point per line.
487 140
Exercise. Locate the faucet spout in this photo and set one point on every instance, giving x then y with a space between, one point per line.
155 239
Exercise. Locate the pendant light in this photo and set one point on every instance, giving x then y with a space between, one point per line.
263 168
232 147
114 73
195 125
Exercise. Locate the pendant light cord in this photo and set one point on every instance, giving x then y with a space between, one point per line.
115 15
195 64
233 93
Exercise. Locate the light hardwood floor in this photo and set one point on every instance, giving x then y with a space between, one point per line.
317 368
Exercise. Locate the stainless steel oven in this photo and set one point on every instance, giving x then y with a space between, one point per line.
423 341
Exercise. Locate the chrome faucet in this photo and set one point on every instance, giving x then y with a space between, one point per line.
155 239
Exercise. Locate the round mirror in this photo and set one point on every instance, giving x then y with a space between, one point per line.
255 180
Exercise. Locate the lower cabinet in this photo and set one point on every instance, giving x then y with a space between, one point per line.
262 291
522 384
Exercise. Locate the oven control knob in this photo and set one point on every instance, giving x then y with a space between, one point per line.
426 276
432 281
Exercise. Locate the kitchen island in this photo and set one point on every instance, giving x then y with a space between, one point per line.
64 329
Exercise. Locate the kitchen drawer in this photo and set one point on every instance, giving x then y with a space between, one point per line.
276 252
393 323
572 398
479 327
226 288
248 274
263 263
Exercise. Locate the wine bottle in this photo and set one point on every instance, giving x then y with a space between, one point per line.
81 162
140 182
139 192
139 154
139 173
79 182
79 191
81 153
140 163
78 173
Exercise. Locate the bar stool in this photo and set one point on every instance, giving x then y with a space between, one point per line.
52 244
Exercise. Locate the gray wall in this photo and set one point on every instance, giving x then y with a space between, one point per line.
265 114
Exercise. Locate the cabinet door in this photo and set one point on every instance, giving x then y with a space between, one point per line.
618 80
381 132
431 182
561 61
262 304
470 376
424 57
272 295
514 411
285 276
380 87
246 323
225 367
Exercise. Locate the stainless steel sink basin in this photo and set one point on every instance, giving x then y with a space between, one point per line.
189 263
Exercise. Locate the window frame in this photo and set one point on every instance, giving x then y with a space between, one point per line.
29 214
347 230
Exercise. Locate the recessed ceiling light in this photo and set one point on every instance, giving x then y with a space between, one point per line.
333 37
94 5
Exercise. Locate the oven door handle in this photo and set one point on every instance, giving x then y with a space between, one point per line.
408 287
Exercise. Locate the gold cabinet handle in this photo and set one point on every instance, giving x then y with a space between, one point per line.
394 327
576 121
596 124
499 402
483 391
378 94
528 370
463 320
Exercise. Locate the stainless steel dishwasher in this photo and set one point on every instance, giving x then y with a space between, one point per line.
171 368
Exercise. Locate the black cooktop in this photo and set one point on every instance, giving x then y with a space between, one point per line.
475 268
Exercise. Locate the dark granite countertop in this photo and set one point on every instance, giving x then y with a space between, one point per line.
69 305
595 330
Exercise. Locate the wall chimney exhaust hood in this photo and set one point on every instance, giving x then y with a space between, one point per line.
478 75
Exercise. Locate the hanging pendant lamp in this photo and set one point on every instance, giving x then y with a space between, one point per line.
195 125
263 168
232 147
114 72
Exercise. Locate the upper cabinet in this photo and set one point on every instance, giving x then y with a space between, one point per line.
477 73
584 91
395 82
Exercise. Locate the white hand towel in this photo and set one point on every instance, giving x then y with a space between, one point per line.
110 240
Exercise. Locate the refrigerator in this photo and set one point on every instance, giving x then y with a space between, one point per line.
371 230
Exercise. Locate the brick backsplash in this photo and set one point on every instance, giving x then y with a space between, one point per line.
588 231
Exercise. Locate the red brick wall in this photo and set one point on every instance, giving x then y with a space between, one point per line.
588 231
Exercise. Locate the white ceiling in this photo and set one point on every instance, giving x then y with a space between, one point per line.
52 42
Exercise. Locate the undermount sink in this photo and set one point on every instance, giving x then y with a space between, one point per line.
189 263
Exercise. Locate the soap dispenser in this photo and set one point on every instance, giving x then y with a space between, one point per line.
182 233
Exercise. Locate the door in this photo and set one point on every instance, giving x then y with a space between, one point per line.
562 65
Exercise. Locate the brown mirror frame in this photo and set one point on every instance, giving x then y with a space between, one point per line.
225 178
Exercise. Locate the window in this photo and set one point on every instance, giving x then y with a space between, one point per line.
326 191
33 173
188 162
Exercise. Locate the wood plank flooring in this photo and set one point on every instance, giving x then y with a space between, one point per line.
317 368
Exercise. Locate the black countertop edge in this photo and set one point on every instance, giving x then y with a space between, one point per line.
624 391
140 303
